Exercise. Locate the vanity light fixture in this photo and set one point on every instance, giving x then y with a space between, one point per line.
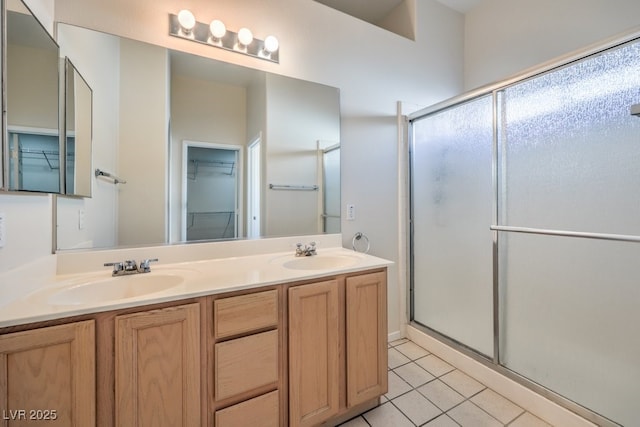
187 21
184 25
218 31
245 37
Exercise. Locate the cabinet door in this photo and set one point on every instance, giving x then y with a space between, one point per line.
47 376
158 367
366 337
313 353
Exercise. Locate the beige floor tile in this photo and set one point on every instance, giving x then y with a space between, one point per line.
412 350
416 407
528 420
387 415
442 421
414 374
462 383
356 422
435 365
397 386
497 406
395 358
443 396
469 415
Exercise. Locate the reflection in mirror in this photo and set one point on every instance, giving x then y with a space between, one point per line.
32 103
78 117
287 123
210 182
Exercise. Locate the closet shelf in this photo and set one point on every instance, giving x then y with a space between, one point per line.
217 164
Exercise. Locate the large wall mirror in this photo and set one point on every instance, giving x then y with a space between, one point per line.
196 149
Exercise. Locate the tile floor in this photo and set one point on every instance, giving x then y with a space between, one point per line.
424 390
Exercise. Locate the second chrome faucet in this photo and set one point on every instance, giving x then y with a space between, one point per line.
308 250
130 267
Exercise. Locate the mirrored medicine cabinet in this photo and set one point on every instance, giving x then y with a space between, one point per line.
46 126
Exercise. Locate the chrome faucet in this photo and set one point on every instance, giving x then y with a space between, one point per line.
307 250
130 267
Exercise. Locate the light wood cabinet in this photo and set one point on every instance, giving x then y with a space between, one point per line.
244 364
260 411
47 376
314 337
337 348
245 359
366 337
157 366
295 354
245 313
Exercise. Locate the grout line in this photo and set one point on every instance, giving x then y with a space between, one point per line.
466 399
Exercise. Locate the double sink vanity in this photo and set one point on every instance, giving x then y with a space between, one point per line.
259 337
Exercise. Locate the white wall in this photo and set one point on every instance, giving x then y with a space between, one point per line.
32 100
143 143
97 58
194 103
299 114
504 37
27 218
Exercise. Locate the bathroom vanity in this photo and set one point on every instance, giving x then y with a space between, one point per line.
268 340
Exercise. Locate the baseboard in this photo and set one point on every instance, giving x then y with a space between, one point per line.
395 336
520 395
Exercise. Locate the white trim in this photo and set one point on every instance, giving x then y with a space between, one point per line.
393 336
517 393
256 141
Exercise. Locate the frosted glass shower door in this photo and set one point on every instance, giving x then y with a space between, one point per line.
570 156
452 198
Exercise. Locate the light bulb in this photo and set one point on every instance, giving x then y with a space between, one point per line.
245 37
218 29
187 20
271 44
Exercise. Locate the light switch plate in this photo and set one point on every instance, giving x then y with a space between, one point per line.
351 212
81 217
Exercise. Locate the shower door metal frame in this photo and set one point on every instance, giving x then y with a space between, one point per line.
495 362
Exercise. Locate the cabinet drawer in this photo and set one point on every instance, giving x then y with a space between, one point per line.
245 363
261 411
245 313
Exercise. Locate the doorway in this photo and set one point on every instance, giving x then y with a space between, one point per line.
254 179
212 191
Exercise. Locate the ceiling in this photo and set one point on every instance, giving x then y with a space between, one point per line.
374 11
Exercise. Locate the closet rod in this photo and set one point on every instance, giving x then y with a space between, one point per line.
294 187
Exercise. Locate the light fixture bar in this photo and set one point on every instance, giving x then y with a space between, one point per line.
201 33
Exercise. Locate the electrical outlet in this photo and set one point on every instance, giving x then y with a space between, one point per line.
351 212
2 229
81 219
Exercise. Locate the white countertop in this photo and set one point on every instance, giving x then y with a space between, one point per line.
193 279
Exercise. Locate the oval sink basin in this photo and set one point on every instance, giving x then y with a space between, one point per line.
320 262
116 288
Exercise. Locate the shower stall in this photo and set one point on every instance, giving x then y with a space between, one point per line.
525 229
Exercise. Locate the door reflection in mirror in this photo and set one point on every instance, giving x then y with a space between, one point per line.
211 190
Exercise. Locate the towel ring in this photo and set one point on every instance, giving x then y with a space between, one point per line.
357 237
